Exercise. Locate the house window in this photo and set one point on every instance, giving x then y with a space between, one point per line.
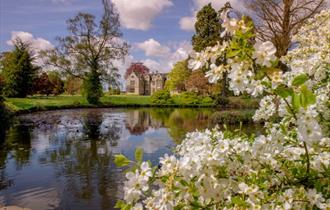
132 86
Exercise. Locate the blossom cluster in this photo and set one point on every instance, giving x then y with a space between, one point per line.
287 167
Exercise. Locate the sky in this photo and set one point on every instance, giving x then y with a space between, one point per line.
159 31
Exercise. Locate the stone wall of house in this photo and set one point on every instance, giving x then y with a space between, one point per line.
145 84
134 85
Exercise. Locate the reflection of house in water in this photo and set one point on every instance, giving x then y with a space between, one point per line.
139 121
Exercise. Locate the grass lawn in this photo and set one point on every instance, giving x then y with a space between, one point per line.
36 103
68 101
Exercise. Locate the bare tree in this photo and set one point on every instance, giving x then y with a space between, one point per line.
279 20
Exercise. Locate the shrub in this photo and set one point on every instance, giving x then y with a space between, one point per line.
161 97
219 100
57 83
207 100
187 98
114 91
232 117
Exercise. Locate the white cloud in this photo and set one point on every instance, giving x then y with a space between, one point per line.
36 44
152 47
166 55
153 65
138 14
187 23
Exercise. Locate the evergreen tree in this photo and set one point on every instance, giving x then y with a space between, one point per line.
18 70
208 28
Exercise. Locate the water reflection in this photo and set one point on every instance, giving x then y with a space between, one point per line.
64 159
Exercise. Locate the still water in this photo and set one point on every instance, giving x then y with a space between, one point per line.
64 159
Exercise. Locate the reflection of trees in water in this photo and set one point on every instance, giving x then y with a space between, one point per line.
178 121
16 146
18 142
86 163
92 123
182 121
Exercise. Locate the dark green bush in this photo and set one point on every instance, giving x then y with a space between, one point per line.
219 100
161 97
114 91
232 117
93 88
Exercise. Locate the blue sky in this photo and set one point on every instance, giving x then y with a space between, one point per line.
159 31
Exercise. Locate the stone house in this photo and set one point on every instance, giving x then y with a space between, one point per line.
145 84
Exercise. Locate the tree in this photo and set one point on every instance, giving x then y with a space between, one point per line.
2 84
178 75
42 85
114 80
138 68
279 20
18 70
57 83
197 82
89 50
208 28
92 87
73 85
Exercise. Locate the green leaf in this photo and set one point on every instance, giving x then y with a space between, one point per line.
121 160
299 80
307 97
260 75
139 154
233 53
283 91
238 201
296 101
183 182
120 204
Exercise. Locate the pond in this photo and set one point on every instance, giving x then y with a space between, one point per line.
64 159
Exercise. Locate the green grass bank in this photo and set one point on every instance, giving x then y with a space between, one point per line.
39 103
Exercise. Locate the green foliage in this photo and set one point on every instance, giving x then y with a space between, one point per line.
207 100
73 85
2 85
87 52
121 160
232 117
18 70
161 97
299 80
114 91
187 98
207 28
42 85
219 100
139 154
93 88
57 83
178 75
